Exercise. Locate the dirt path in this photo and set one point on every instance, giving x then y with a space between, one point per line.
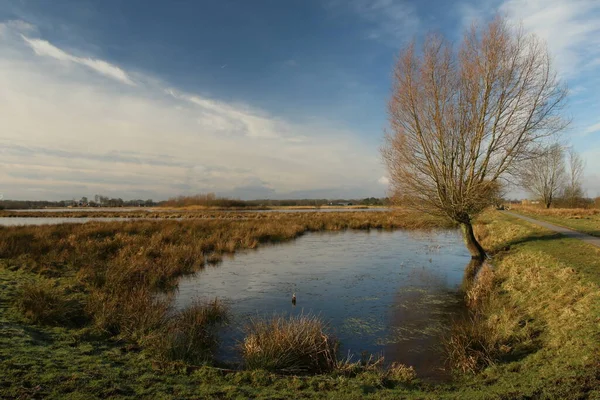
594 241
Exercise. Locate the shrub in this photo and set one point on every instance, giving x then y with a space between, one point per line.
289 344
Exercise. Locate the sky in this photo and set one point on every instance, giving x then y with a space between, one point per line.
248 99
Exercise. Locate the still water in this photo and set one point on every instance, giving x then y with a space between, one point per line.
387 293
19 221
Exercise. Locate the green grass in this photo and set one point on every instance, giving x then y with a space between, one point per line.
545 291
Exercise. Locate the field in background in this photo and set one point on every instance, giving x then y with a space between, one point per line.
580 219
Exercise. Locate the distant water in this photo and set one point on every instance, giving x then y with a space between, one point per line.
145 209
17 221
381 292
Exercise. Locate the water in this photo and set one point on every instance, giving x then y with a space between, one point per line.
387 293
291 210
19 221
144 209
85 209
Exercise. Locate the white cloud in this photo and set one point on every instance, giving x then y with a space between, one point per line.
384 180
592 129
389 20
44 48
65 133
571 28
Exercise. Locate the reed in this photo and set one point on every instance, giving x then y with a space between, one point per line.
190 336
295 344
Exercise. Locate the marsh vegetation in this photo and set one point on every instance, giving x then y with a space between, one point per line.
80 314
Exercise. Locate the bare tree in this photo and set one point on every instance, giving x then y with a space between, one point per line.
573 190
462 121
545 175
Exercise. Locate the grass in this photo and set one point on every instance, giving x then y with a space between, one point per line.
190 336
579 219
539 300
46 302
295 344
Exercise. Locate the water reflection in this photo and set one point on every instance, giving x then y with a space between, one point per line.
381 292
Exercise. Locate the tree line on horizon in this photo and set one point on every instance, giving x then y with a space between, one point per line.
205 200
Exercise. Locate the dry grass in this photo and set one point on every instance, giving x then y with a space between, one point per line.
131 313
574 213
296 344
481 289
190 335
530 303
119 267
579 219
46 302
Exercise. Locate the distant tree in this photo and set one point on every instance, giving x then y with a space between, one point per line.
544 176
462 121
573 191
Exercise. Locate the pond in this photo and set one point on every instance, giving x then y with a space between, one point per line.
381 292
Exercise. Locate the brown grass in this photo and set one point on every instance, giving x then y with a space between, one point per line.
119 267
190 335
557 212
46 302
296 344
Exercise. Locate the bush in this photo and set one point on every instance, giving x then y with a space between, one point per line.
44 302
290 345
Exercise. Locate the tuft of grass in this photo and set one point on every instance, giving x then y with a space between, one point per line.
45 302
472 345
190 336
482 287
130 313
295 344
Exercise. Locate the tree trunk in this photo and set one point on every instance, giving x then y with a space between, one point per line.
477 252
547 205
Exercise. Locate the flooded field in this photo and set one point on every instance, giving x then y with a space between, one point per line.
387 293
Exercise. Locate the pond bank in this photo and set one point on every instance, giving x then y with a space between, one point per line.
550 294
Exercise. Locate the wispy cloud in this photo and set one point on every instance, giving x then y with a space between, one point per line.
571 28
592 129
46 49
389 20
152 140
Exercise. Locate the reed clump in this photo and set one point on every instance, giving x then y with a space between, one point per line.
190 336
45 302
295 344
374 369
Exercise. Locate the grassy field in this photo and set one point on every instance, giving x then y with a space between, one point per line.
579 219
78 317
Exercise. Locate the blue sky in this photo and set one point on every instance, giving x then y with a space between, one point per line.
250 99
